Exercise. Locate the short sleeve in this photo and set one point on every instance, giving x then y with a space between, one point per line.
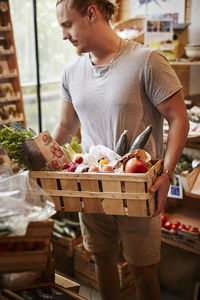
64 89
160 79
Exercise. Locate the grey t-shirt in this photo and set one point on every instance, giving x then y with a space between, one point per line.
121 95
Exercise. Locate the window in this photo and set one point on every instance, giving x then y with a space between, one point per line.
54 53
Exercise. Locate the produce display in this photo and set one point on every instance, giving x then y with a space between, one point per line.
42 153
66 228
177 226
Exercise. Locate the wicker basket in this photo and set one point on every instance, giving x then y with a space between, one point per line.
109 193
28 252
134 22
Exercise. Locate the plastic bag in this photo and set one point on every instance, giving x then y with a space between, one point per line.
99 152
21 201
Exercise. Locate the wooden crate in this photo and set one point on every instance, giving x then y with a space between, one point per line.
63 253
108 193
84 269
28 252
51 290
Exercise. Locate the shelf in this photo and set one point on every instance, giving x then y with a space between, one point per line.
5 28
11 74
10 99
181 246
186 216
12 119
7 51
185 63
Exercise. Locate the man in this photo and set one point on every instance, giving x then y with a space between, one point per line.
115 85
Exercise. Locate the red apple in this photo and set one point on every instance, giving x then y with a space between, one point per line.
174 227
136 165
163 220
177 224
168 225
194 229
182 227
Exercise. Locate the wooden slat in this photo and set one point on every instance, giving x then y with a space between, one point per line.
134 187
51 183
111 195
113 206
71 203
24 261
91 205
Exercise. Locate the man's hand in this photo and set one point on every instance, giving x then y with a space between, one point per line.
161 187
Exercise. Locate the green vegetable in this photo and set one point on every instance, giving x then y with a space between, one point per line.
73 224
69 231
69 151
122 143
75 144
58 229
141 139
11 140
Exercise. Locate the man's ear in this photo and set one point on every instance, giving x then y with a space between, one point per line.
91 14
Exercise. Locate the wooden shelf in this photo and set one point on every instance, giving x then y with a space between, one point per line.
12 119
181 246
186 216
7 51
9 78
10 99
185 63
10 75
5 28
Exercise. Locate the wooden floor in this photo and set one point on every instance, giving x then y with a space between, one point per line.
92 294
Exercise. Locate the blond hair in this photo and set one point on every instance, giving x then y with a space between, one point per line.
108 8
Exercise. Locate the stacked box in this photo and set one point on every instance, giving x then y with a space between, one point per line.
84 269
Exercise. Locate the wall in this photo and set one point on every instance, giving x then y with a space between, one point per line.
194 37
192 14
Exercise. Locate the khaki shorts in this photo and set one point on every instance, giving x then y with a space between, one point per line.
140 237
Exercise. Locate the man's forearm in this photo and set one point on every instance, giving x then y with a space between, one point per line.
177 137
63 134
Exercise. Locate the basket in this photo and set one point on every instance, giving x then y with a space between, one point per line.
129 23
29 252
103 193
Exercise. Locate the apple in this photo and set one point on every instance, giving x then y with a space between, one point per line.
182 227
177 224
167 225
163 220
174 227
136 165
194 229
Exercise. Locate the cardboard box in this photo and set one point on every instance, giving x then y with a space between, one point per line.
191 181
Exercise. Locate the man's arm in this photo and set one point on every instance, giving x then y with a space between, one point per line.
67 125
174 111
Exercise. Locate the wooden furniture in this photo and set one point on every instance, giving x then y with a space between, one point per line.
11 101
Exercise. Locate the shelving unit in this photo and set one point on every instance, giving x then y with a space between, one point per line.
10 88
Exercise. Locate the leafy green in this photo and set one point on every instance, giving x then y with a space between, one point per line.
69 151
76 145
11 140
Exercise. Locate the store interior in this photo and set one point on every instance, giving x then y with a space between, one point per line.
50 254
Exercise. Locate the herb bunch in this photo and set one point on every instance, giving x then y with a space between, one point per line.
11 140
